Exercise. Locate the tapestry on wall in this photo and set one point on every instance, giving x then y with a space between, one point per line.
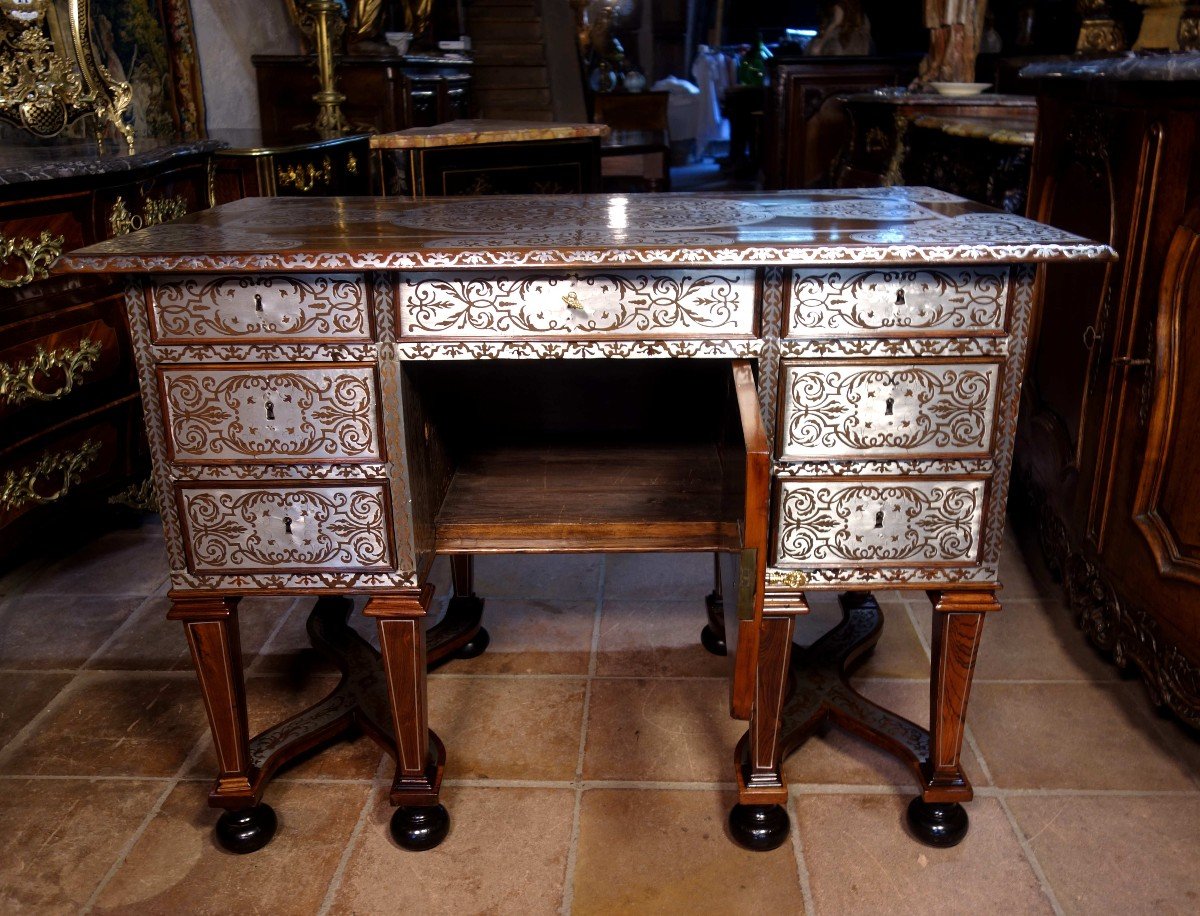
151 44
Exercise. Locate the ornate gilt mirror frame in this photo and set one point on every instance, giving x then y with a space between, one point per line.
50 76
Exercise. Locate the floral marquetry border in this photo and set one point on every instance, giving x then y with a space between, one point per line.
580 349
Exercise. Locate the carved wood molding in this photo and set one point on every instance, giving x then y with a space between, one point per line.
1121 628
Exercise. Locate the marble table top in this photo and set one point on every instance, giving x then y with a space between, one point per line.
20 164
845 226
1175 66
472 131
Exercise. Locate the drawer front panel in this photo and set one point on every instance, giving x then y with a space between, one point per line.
208 308
879 523
887 410
944 301
265 414
701 303
286 529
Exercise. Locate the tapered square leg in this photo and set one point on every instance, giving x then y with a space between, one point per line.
937 816
211 626
420 821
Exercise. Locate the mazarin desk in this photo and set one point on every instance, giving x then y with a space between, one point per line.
820 388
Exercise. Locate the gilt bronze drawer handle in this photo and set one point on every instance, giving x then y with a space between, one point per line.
19 383
37 254
121 221
351 164
305 177
572 300
18 487
789 579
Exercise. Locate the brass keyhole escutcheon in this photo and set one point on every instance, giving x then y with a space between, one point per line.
879 519
888 405
899 297
258 306
287 524
270 411
572 300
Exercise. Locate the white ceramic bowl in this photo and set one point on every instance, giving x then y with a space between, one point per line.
958 90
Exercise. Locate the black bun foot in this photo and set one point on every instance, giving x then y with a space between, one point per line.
420 828
247 830
759 827
937 823
712 641
475 648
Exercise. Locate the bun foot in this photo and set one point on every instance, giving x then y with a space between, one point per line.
937 824
247 830
759 827
418 828
475 648
713 642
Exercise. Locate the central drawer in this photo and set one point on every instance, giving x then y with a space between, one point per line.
577 304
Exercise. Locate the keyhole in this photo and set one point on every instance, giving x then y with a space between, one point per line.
899 297
257 303
287 525
878 519
271 410
889 403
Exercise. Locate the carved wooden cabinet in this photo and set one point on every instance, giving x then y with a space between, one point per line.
310 164
70 420
819 388
1108 450
806 126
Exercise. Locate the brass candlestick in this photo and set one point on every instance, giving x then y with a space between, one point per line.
327 27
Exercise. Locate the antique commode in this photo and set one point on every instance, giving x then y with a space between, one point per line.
821 388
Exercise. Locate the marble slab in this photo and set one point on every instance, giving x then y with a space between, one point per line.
473 131
843 226
55 162
1176 66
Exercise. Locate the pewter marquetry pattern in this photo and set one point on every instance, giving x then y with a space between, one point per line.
915 577
581 349
886 411
946 301
1006 423
770 324
825 523
265 353
294 582
929 467
139 332
261 415
906 347
207 308
289 471
285 529
484 305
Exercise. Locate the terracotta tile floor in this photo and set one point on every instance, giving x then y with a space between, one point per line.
589 762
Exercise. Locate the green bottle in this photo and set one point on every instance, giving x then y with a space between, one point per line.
752 68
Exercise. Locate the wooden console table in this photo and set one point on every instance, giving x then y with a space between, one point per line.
821 388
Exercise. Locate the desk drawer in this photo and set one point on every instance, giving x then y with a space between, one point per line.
583 304
296 307
266 414
286 529
889 302
854 410
891 522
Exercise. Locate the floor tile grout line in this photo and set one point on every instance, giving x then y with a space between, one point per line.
1031 857
30 728
127 623
973 744
352 843
568 891
127 847
801 862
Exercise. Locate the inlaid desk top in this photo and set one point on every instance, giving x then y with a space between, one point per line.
845 226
